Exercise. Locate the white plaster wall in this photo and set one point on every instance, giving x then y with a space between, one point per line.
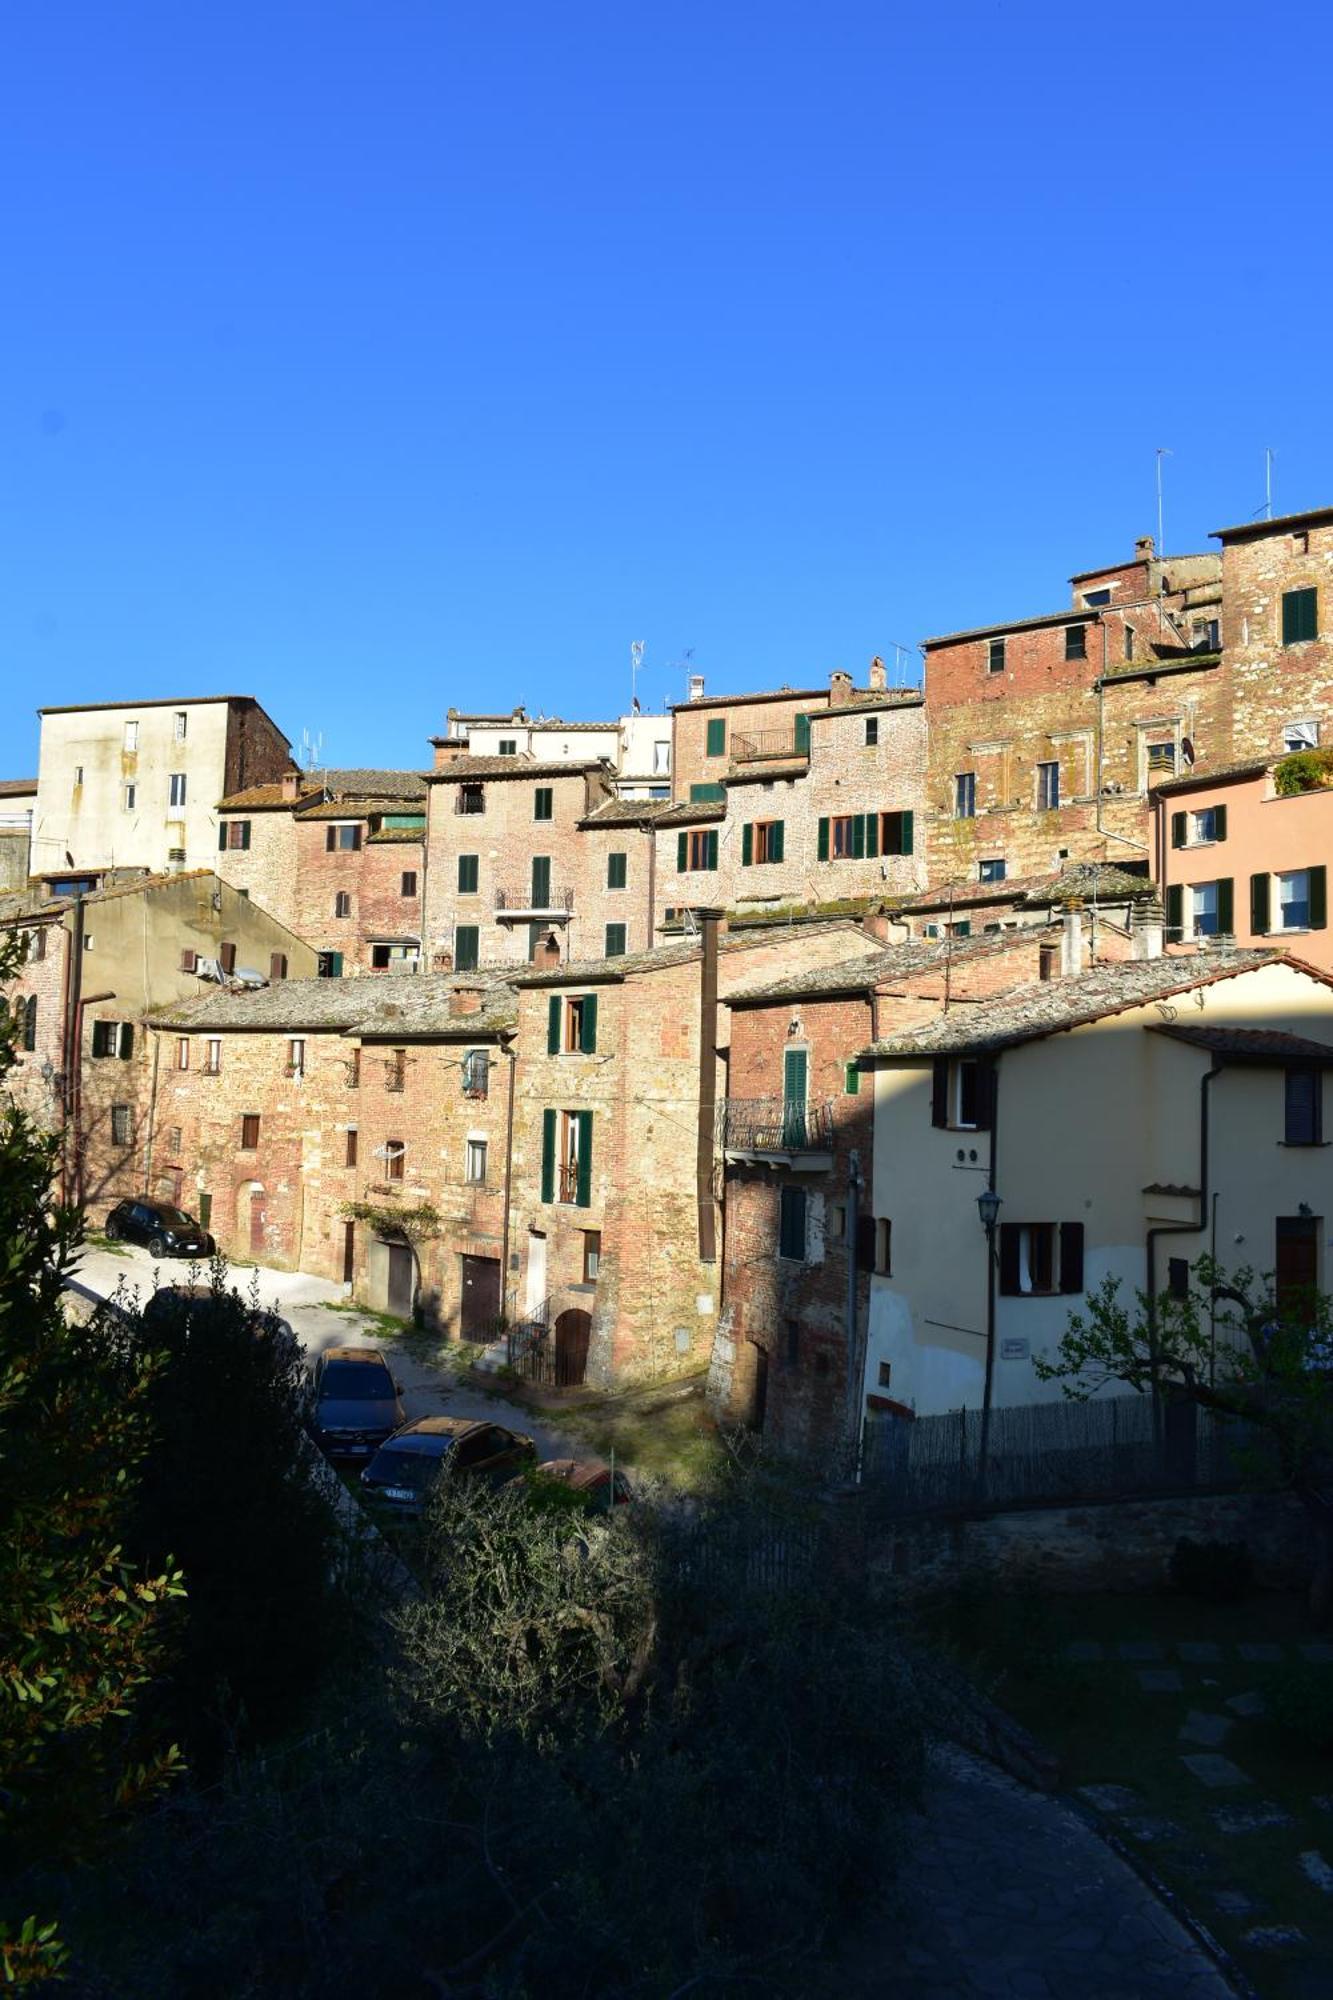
90 821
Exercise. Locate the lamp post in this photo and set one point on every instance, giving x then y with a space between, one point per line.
988 1208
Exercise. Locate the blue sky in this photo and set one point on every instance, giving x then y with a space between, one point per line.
376 357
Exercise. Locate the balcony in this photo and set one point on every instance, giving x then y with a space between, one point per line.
395 1076
766 743
514 904
772 1131
470 801
568 1179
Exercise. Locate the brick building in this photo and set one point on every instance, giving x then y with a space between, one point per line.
708 731
1277 634
339 856
97 966
1110 895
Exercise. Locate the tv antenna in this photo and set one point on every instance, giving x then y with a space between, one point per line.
1163 451
636 651
312 748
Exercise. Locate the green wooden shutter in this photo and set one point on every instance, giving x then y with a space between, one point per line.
588 1026
1178 829
553 1007
467 947
222 835
1318 899
548 1156
872 835
747 844
851 1080
1219 822
908 825
583 1175
682 852
615 940
1226 907
858 836
541 881
775 840
795 1074
616 870
717 736
823 840
802 736
1260 890
1175 910
711 844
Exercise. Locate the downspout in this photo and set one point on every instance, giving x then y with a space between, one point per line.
84 1000
152 1114
511 1053
988 1386
1180 1228
706 1130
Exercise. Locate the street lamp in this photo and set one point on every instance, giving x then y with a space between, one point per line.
988 1208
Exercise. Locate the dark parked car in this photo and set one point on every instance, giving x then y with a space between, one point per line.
164 1230
589 1477
169 1300
355 1402
405 1468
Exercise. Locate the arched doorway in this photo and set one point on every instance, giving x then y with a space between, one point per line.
573 1330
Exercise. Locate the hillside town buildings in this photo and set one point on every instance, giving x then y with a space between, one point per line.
713 1024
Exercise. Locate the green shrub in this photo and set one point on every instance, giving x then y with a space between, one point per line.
1303 771
1301 1702
1216 1572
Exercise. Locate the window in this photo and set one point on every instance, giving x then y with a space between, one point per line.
851 1080
567 1157
617 870
1129 643
571 1024
717 736
342 904
1092 598
843 836
476 1073
234 833
36 947
707 794
131 793
181 724
1300 736
1199 829
508 746
467 874
395 1070
991 871
277 966
791 1224
329 965
475 1172
213 1055
837 1222
1076 642
615 941
1048 786
695 851
175 1139
28 1008
965 795
471 800
249 1131
131 735
543 802
872 731
1037 1257
183 1052
227 958
408 885
122 1125
467 947
342 839
661 759
761 840
1300 616
1178 1277
995 657
1295 900
113 1038
349 1153
962 1092
896 833
395 1154
1203 910
177 782
883 1246
87 940
1304 1090
1162 757
296 1057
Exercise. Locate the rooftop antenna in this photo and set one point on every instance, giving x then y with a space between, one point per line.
311 748
1163 451
636 647
1269 456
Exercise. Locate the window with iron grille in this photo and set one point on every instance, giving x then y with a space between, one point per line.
174 1138
122 1125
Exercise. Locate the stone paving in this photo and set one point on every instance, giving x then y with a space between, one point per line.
1012 1895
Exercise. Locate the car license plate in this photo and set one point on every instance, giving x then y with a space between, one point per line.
399 1493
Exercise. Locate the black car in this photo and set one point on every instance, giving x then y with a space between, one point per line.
405 1468
162 1229
194 1302
355 1402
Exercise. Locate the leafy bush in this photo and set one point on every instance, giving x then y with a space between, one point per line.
1303 771
1301 1702
1216 1572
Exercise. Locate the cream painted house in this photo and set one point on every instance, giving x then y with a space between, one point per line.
135 785
1129 1118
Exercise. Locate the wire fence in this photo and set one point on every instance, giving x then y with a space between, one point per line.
1054 1454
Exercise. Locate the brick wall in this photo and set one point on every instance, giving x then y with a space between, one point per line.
267 868
370 876
768 722
1275 684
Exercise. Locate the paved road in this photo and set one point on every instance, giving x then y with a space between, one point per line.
1009 1894
306 1303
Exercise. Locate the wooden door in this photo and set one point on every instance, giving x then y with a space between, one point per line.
401 1280
534 1296
573 1330
349 1252
480 1308
1296 1271
258 1217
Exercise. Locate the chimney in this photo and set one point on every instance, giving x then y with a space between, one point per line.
291 787
839 689
1149 929
448 749
696 687
550 951
877 679
1072 943
465 1000
1145 548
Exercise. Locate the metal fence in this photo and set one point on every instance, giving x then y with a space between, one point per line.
1054 1454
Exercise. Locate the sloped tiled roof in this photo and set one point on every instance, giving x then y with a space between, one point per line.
412 1005
397 836
16 788
267 798
688 812
1083 879
465 770
1265 1045
755 772
679 952
1215 774
626 812
1050 1006
894 961
361 782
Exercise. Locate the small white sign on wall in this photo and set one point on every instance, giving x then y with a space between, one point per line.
703 1302
1014 1348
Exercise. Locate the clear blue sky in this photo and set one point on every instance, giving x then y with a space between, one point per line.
376 357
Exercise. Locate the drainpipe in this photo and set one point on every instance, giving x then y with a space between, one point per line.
1179 1228
511 1053
706 1130
854 1363
76 1119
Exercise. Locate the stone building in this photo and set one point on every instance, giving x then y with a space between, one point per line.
1277 634
1108 895
134 785
708 732
18 801
637 746
97 966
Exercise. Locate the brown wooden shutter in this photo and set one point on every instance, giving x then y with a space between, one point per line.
939 1092
1178 835
1009 1285
1071 1256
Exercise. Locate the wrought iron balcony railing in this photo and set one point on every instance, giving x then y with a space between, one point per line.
774 1125
763 743
526 898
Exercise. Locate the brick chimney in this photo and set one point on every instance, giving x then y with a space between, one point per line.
839 688
877 679
1149 929
291 787
1072 951
550 951
465 1000
1145 548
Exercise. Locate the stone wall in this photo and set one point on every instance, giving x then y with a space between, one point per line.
1276 684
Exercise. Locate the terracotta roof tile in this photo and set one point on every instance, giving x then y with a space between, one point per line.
1266 1045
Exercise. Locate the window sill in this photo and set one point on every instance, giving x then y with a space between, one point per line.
1304 1145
